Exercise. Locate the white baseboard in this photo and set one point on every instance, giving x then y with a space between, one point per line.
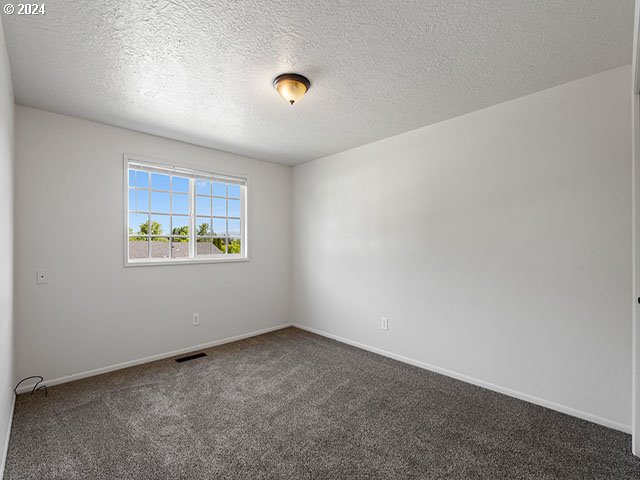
474 381
3 460
152 358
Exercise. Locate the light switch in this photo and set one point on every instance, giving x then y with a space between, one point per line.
42 276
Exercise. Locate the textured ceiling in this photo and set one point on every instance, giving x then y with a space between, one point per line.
201 71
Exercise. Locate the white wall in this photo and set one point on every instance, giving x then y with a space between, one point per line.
94 312
6 249
635 417
635 397
498 243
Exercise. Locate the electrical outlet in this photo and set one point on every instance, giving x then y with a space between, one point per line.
384 323
196 319
42 276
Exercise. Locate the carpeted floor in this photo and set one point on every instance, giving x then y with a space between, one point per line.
293 405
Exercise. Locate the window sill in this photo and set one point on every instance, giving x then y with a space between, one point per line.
189 261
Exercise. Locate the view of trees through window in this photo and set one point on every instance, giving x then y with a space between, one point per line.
164 208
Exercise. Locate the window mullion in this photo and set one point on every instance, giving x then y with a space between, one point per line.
242 220
149 222
170 216
226 214
192 217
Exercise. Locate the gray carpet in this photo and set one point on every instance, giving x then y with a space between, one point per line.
292 405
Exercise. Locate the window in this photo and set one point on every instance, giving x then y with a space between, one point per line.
177 215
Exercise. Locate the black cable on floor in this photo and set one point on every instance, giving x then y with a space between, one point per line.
35 387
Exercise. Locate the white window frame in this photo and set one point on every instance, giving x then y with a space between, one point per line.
168 167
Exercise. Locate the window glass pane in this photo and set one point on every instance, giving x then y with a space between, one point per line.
142 198
160 247
180 203
159 181
219 207
142 179
234 208
179 247
220 227
160 202
234 227
132 200
138 179
234 246
220 189
203 187
180 184
139 200
233 191
203 226
138 247
180 225
219 246
136 222
204 246
203 206
160 225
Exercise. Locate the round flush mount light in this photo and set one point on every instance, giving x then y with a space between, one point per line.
291 86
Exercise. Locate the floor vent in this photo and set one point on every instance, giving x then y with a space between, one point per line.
191 357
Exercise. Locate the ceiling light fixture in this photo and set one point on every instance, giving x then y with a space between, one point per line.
291 86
